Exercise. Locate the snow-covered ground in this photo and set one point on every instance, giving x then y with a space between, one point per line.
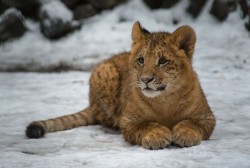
222 60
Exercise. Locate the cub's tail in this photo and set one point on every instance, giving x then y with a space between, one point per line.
37 129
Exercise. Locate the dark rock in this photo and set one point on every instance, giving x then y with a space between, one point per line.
169 3
153 4
220 9
104 4
70 3
28 8
232 4
84 11
195 7
11 25
244 7
156 4
56 20
247 24
2 6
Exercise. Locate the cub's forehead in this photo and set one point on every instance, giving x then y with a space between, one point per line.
156 43
158 38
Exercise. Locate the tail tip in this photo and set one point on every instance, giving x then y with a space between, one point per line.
35 131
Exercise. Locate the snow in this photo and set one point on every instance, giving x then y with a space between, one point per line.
56 9
10 12
221 60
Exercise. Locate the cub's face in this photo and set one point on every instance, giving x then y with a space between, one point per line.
160 63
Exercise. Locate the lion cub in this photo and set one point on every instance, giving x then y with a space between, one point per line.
151 94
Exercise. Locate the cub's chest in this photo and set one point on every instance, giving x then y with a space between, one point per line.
167 113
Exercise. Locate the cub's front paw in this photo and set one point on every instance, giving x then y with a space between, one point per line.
157 138
186 137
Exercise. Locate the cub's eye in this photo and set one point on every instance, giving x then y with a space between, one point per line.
162 61
141 60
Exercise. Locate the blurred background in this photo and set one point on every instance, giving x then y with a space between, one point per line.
62 35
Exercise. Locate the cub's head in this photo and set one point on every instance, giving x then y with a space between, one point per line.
161 61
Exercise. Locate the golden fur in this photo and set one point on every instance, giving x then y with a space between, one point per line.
151 94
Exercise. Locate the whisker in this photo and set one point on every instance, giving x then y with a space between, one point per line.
132 83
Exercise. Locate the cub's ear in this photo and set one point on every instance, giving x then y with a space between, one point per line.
184 38
138 33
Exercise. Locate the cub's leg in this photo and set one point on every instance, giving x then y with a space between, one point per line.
151 135
155 136
37 129
188 133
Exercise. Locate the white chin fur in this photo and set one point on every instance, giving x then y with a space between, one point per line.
151 94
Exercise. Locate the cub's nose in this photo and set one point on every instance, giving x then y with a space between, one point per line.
147 79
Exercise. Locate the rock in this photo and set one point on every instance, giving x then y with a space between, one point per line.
70 3
232 4
195 7
220 9
247 24
156 4
11 25
104 4
2 6
244 7
153 4
84 11
28 8
169 3
56 20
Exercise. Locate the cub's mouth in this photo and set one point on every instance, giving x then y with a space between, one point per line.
160 88
150 92
148 89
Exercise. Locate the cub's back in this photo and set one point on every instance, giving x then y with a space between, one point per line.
109 84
